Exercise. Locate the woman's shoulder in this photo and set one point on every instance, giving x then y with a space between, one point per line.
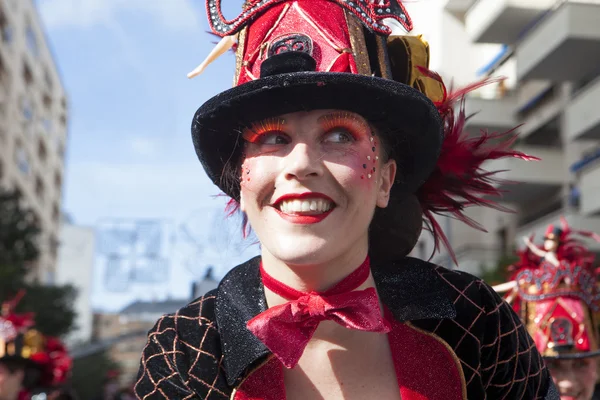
469 291
184 347
193 318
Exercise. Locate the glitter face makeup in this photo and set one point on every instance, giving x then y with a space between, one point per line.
311 183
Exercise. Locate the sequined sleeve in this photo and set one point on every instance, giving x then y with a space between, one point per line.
182 358
159 377
511 366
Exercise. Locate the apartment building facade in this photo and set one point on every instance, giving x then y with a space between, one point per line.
550 51
33 123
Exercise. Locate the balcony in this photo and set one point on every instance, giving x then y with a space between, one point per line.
590 190
458 8
565 46
582 118
503 21
529 180
496 114
540 107
577 221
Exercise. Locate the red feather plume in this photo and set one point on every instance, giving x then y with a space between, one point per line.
458 180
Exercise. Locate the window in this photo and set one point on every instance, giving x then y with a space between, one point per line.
27 74
47 100
31 39
39 188
55 212
5 28
48 79
57 180
22 160
4 76
42 152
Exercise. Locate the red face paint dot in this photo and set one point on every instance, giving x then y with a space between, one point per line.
362 177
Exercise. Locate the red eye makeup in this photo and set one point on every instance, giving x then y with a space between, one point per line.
257 130
345 120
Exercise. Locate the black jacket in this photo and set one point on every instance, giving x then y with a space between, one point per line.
204 350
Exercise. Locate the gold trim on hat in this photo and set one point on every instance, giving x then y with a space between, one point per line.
359 45
239 54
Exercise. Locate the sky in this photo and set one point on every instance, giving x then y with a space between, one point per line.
123 64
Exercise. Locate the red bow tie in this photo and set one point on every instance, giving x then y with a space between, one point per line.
286 329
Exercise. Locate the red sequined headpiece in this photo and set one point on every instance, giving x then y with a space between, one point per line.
556 293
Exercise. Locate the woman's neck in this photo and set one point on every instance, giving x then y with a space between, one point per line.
313 276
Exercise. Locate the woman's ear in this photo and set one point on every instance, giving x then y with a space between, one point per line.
385 181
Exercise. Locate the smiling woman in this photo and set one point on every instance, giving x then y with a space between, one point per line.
336 143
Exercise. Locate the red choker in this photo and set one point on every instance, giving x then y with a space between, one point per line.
286 329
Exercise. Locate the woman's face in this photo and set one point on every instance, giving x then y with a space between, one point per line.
575 379
310 183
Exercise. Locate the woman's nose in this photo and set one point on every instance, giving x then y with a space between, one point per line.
303 162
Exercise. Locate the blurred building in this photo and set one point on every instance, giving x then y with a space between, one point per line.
204 285
33 123
125 333
75 267
550 51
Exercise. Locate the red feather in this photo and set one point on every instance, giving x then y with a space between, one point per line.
458 180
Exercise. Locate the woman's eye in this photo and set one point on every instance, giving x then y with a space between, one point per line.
339 136
272 138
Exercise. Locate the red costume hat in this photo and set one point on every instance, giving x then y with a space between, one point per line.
295 55
557 295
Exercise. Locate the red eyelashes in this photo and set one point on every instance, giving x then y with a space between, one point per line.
258 129
345 120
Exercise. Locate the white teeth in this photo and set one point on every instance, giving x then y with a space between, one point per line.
292 206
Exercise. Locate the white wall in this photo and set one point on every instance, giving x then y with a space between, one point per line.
75 265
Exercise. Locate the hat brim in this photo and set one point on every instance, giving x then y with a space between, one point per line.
409 121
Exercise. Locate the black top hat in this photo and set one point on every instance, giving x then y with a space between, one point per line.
309 55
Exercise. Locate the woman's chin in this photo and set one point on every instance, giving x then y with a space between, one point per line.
299 250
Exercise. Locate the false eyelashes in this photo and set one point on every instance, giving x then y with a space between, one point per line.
256 130
346 120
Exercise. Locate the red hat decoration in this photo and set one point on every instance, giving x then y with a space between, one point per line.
294 55
20 340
